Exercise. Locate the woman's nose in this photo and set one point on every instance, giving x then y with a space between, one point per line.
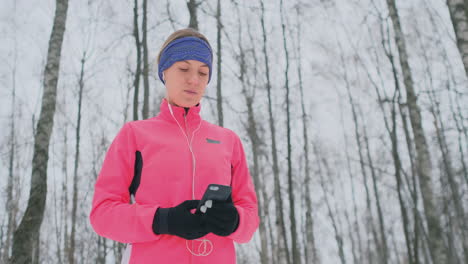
193 78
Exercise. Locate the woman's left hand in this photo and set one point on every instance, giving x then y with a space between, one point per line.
222 218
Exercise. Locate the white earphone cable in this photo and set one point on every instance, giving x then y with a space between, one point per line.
204 242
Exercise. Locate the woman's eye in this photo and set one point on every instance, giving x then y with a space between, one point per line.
183 69
203 73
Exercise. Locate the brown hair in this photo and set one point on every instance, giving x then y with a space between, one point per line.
186 32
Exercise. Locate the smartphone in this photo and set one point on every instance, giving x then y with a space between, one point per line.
214 192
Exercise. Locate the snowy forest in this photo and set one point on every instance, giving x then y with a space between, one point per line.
353 115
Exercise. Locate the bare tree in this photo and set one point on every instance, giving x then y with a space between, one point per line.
296 257
64 195
423 158
144 43
357 135
81 84
280 228
219 96
10 204
392 133
458 10
192 6
28 231
323 167
136 82
169 15
454 99
251 126
448 168
311 254
355 227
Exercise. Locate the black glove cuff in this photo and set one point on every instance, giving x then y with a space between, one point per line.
160 222
237 223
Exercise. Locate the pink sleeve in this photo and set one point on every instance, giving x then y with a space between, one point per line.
243 195
112 216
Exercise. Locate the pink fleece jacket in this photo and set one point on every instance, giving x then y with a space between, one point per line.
167 178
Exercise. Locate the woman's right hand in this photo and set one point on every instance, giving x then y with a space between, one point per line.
179 221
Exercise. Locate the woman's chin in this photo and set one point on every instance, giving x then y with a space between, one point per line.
186 104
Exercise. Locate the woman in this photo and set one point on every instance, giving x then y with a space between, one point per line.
157 169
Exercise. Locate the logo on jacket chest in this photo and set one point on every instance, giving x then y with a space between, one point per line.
212 141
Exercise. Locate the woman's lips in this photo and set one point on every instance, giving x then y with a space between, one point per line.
190 92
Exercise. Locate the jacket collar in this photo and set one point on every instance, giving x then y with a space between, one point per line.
190 115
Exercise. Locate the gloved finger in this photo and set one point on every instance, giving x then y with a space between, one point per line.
195 220
190 204
218 219
220 210
194 235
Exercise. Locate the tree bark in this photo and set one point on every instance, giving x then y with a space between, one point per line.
64 196
145 112
393 134
192 7
219 95
10 204
449 174
28 231
457 114
423 159
458 10
136 82
449 170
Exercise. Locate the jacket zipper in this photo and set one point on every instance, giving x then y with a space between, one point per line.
186 131
193 164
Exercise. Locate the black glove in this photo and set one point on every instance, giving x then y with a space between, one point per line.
179 221
222 218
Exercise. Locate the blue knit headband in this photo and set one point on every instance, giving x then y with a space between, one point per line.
186 48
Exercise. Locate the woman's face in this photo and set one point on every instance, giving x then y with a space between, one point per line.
186 82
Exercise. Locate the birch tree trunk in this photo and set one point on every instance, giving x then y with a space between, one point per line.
64 198
280 225
28 231
392 132
136 82
458 10
423 158
10 203
71 255
145 111
252 130
219 95
296 256
454 100
449 170
450 175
